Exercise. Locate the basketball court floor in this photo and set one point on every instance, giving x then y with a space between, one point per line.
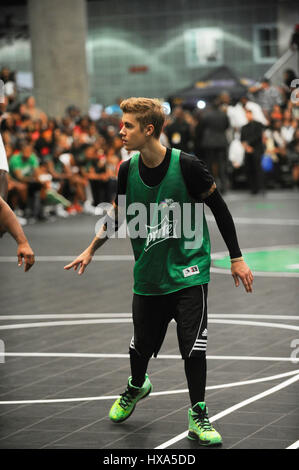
65 338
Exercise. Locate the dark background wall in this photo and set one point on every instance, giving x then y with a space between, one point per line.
143 48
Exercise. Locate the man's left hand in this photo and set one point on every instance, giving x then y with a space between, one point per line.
240 270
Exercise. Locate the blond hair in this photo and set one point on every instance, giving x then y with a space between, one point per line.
147 110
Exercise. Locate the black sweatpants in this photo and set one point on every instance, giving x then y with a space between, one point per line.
151 316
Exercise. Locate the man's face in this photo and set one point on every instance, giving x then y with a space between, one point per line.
265 85
249 115
132 136
31 102
26 152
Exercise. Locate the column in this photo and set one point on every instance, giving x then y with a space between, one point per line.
58 32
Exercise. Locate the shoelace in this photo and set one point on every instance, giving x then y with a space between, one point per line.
126 398
203 422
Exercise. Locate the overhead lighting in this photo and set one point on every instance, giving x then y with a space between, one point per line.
167 107
201 104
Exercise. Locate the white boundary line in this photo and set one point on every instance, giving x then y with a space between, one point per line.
64 323
259 221
153 394
229 410
66 315
129 320
213 269
252 316
160 356
217 255
13 259
45 316
294 446
256 273
273 196
256 323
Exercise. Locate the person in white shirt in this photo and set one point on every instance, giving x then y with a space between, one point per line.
238 118
3 170
237 113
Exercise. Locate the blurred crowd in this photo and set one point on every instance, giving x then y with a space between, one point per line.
252 142
69 165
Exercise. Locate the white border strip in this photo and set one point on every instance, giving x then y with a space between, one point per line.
233 408
45 316
259 221
17 326
13 259
161 356
169 392
294 446
257 273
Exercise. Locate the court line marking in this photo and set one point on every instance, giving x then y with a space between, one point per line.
256 273
153 394
129 315
252 315
217 255
161 356
13 259
295 445
65 315
54 258
129 320
259 221
233 408
241 197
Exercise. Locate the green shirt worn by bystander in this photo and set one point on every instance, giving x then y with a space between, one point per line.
26 166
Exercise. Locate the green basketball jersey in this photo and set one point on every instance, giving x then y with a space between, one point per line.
168 232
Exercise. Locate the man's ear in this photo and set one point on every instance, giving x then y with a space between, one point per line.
149 130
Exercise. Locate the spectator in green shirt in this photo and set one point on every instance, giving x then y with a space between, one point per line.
24 167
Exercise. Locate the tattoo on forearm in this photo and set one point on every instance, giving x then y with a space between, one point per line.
209 192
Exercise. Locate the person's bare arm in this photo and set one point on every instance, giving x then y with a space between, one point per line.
83 260
24 179
3 184
9 223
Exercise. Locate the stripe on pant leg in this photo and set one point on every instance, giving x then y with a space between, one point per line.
202 315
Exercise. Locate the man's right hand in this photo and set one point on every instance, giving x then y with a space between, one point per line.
81 261
25 253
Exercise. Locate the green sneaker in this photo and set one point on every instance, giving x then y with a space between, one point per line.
200 427
124 406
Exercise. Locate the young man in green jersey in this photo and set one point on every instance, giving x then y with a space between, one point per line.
171 273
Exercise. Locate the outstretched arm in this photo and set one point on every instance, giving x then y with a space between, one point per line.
83 260
9 223
3 184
